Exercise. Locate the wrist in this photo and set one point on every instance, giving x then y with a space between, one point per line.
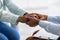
45 17
18 20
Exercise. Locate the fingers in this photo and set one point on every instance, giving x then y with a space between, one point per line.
32 15
32 22
42 17
22 19
30 19
38 16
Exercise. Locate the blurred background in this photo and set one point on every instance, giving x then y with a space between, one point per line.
48 7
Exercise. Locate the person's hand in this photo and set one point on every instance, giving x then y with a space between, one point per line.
33 38
32 21
29 19
22 19
38 16
35 18
42 16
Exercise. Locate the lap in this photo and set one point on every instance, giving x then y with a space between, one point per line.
3 37
10 32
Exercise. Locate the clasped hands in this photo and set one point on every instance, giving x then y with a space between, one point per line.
32 19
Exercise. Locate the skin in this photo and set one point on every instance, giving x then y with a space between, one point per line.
35 38
32 19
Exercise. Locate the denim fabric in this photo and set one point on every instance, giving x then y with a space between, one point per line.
8 33
3 37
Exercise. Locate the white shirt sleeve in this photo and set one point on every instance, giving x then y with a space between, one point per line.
13 8
54 19
8 17
50 27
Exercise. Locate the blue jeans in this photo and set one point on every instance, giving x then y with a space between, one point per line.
8 33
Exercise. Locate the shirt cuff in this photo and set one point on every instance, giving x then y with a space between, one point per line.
50 18
43 24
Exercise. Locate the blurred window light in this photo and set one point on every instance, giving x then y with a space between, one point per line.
49 7
31 3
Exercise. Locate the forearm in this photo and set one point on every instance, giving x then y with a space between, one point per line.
50 27
54 19
8 17
13 8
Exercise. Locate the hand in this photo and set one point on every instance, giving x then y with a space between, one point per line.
38 16
33 38
28 20
32 21
42 17
35 18
22 19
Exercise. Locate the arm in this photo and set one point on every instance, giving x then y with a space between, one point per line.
50 27
8 17
55 19
13 8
